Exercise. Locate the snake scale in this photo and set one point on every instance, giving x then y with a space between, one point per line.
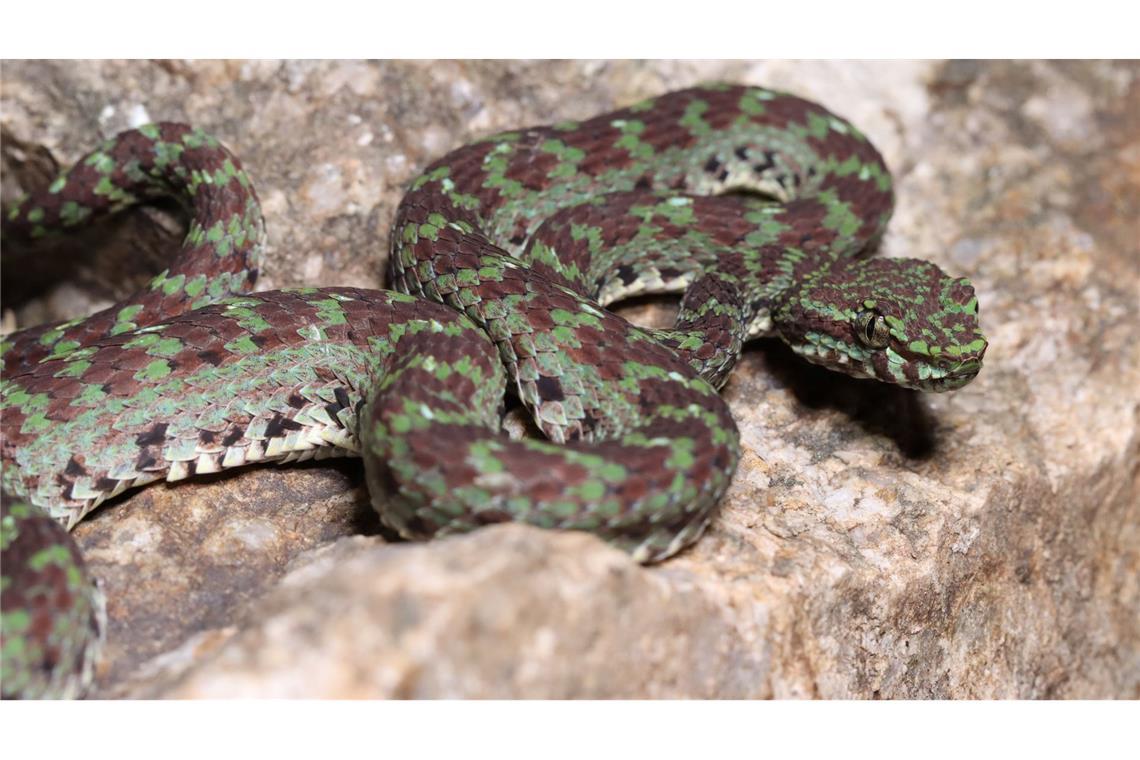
757 205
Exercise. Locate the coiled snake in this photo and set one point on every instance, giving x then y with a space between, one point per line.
503 255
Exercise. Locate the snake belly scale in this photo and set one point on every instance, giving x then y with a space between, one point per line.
503 256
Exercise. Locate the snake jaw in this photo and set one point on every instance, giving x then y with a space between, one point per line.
952 377
814 350
888 365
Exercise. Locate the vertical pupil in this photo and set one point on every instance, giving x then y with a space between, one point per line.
870 329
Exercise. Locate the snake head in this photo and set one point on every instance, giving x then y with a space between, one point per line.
901 321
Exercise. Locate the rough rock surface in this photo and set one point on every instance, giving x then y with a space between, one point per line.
874 543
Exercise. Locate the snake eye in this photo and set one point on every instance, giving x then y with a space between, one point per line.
871 329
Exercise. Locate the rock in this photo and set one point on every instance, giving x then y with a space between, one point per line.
506 612
177 560
874 543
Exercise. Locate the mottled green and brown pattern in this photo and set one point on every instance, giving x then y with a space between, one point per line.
50 612
220 255
505 252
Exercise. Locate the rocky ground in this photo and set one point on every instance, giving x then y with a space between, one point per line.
875 543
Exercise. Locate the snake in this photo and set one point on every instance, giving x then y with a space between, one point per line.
762 209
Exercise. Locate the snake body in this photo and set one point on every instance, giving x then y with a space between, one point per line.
503 256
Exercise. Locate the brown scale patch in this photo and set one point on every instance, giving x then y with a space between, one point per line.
212 357
235 434
668 230
652 393
489 198
724 109
788 110
472 247
960 292
280 425
424 450
533 170
225 328
268 340
106 484
543 475
132 359
191 333
74 468
96 374
722 219
62 390
595 346
702 469
546 296
597 142
492 516
804 214
618 227
663 136
596 163
632 492
550 389
540 320
148 461
513 284
153 435
860 194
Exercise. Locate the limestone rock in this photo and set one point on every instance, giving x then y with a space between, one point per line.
874 543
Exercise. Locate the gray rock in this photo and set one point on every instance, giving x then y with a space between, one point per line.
874 543
506 612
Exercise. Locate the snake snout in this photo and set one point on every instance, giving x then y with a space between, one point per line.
965 371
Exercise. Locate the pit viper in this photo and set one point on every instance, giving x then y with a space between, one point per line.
758 206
